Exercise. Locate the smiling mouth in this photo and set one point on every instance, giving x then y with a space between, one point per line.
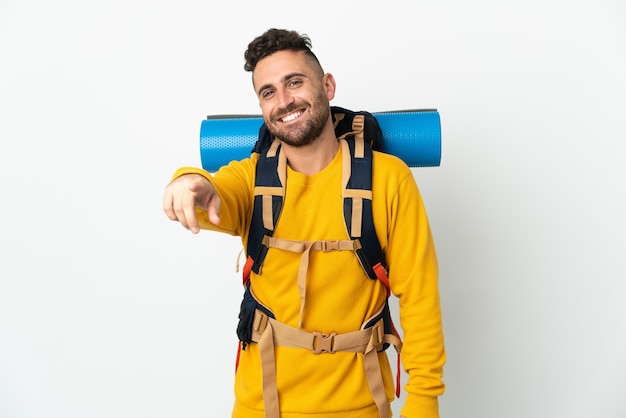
291 117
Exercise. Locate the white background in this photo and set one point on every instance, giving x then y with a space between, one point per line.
108 309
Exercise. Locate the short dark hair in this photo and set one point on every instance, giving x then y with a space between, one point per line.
274 40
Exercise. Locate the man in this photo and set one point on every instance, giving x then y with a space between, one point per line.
324 292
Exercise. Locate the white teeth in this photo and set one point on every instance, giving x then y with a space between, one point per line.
291 117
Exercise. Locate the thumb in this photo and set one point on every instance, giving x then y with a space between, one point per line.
207 198
213 209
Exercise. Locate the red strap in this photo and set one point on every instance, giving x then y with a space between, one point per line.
381 273
247 270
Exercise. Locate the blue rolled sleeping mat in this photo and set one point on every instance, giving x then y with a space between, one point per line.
412 135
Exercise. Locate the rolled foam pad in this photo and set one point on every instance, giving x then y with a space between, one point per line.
412 135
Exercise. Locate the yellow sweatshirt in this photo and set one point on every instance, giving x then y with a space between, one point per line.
339 295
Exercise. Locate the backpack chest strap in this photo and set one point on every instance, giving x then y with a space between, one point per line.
301 246
304 248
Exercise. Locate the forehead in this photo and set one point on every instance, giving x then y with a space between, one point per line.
273 68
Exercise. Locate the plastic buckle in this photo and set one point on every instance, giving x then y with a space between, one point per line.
323 343
358 123
328 246
378 333
260 321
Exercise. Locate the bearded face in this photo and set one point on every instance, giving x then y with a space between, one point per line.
294 95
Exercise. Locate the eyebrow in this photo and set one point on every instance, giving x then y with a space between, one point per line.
284 79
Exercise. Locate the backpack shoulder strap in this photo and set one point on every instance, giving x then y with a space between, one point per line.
269 194
357 199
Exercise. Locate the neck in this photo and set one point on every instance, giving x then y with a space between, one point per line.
313 158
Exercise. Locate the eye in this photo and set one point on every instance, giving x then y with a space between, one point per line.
294 83
267 94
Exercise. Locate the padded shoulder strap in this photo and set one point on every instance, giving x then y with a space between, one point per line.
269 193
357 200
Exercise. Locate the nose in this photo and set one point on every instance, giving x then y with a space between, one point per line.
284 98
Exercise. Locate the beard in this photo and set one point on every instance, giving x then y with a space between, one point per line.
306 131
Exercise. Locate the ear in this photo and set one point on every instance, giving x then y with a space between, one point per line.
329 85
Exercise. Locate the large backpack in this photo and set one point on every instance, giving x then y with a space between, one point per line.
360 134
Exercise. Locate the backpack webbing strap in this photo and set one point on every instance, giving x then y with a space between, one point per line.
304 248
270 388
270 333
